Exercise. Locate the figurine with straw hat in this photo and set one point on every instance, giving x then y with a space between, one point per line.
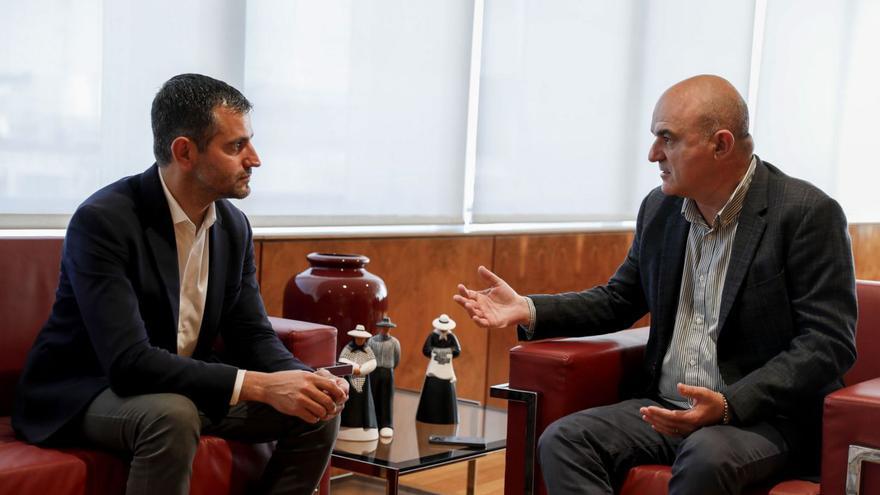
358 419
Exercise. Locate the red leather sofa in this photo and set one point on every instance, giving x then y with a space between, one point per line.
552 378
30 275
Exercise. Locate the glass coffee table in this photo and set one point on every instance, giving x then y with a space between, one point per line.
409 450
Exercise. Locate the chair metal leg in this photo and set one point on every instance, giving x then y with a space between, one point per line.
530 399
858 455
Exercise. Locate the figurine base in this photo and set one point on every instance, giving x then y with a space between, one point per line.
386 432
358 434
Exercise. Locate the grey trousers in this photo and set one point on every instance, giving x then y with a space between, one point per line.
160 432
591 451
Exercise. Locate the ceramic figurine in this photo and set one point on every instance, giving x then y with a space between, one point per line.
358 421
437 403
387 351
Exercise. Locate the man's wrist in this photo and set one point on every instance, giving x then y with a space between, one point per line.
529 321
252 387
725 412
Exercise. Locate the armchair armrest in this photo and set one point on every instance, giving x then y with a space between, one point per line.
568 375
850 419
312 343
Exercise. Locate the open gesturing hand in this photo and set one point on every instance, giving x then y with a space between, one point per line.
707 409
497 306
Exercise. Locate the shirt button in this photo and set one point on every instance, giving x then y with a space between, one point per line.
702 278
693 362
699 320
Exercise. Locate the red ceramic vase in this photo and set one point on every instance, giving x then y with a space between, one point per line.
337 290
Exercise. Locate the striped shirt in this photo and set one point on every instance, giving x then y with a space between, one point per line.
692 357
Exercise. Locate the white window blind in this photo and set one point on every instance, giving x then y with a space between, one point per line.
567 92
360 110
818 100
362 106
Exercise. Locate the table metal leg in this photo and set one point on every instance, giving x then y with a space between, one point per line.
391 482
472 476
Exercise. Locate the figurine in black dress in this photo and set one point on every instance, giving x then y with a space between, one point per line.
437 403
358 418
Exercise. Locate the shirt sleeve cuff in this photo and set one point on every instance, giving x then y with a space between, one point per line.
530 329
236 390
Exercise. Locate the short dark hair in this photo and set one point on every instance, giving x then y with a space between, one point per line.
184 106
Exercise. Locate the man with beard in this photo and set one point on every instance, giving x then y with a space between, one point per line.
155 268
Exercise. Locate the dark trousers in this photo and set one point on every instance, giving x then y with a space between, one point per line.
591 451
382 384
161 434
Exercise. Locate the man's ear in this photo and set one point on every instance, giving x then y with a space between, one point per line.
724 142
184 151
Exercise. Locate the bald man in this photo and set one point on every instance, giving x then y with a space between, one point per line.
748 277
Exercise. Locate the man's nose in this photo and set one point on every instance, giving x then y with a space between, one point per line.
253 159
655 154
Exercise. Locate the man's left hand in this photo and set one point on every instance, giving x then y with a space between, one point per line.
341 383
707 408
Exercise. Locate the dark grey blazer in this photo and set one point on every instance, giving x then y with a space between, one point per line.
788 308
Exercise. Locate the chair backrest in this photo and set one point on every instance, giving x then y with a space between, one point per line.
28 278
867 334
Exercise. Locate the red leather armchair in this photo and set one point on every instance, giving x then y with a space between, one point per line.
553 378
30 274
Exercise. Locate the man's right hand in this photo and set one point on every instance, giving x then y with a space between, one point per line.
306 395
494 307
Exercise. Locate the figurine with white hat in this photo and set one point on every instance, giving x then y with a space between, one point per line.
387 351
358 418
437 403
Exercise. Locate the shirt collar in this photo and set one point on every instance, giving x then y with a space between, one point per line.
179 216
730 211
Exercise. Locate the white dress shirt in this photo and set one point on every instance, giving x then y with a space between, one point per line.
193 257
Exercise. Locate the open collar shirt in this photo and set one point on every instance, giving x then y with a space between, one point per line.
193 264
692 357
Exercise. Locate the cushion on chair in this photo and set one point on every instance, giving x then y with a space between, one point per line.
312 343
654 479
850 418
30 469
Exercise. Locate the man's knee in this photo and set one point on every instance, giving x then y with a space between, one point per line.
321 435
555 434
174 422
563 433
704 460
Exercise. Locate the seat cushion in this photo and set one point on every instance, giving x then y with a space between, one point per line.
654 480
220 467
28 469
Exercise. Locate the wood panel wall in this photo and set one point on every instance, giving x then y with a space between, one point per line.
546 264
422 275
866 250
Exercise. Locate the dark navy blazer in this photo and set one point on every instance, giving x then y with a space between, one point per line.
114 320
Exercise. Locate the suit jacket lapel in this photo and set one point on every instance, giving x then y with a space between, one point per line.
161 239
218 261
750 228
671 264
